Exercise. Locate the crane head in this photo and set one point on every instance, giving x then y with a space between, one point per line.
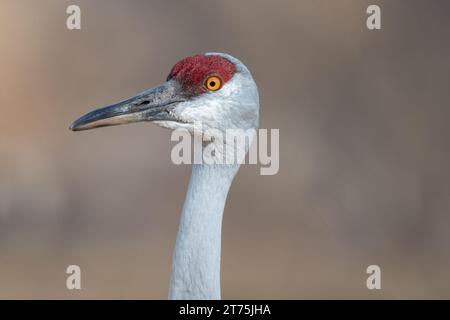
214 89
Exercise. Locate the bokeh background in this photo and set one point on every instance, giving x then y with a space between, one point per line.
364 153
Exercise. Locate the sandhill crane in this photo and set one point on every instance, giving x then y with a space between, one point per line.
218 91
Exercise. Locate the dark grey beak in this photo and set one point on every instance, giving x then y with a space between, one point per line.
151 105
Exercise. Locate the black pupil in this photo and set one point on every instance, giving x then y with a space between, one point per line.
212 83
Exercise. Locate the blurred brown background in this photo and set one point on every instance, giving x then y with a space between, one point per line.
364 167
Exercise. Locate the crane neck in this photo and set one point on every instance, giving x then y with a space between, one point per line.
196 258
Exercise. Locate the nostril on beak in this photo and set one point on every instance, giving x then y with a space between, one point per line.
143 103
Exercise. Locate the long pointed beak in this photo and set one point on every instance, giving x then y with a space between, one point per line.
151 105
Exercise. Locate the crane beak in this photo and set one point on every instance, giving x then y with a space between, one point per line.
151 105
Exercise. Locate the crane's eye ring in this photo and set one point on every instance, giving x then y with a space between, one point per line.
213 83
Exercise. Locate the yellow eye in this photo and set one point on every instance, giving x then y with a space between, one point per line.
213 83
